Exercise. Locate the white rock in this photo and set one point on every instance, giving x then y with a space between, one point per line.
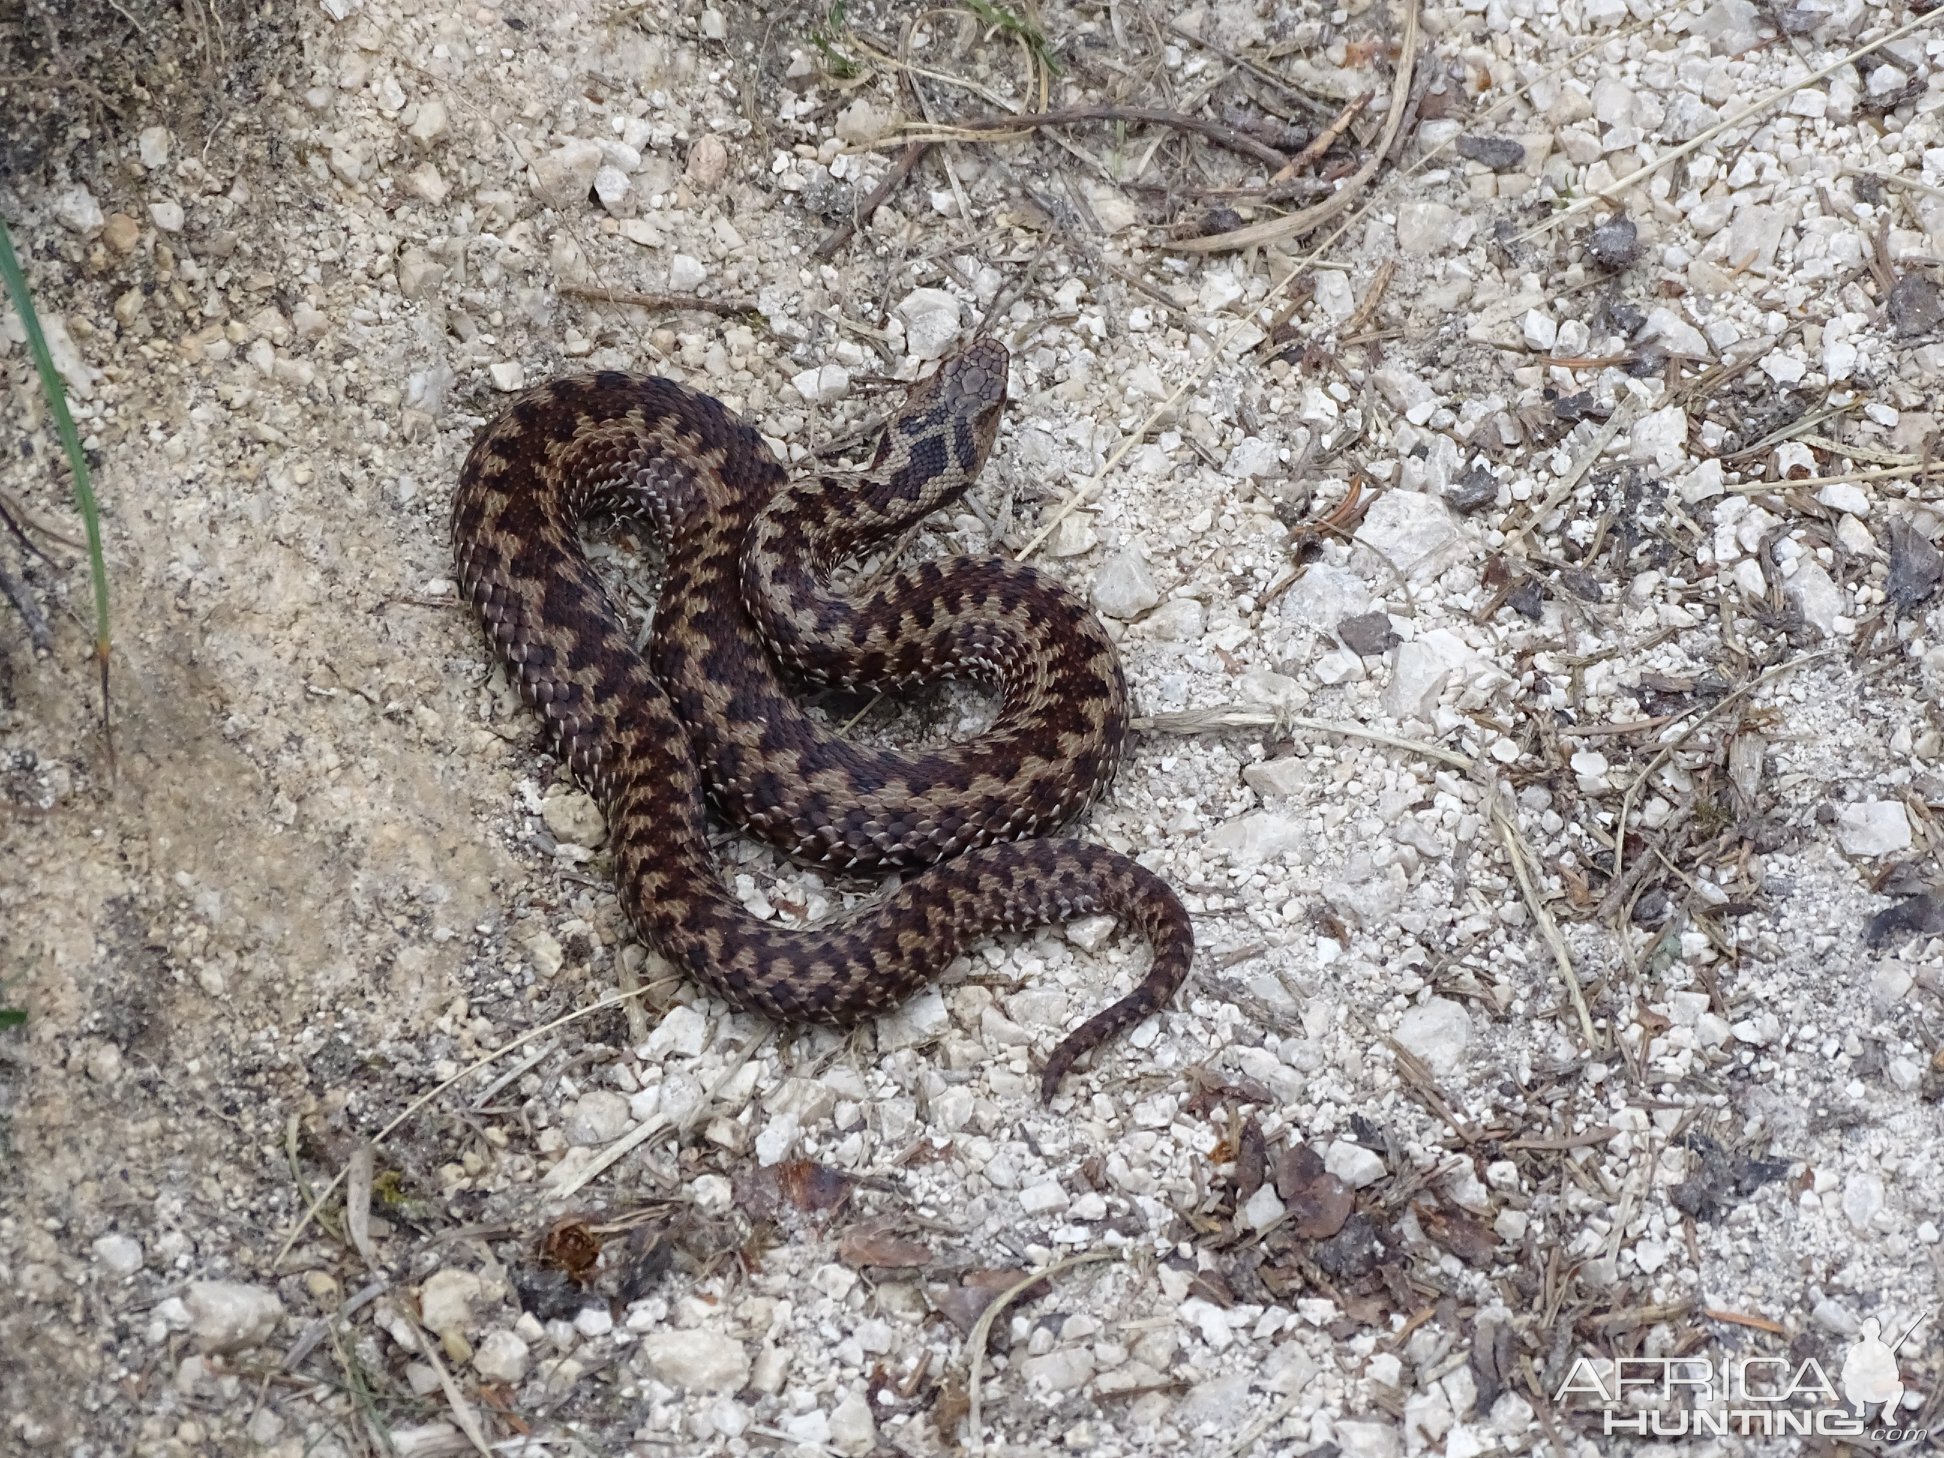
860 124
1368 1440
501 1357
1178 620
166 215
695 1361
931 320
1251 458
1252 839
1064 1369
1541 330
1353 1164
686 274
121 1254
1660 437
1264 1208
78 212
1424 228
1873 828
1590 771
1414 532
564 176
914 1022
152 146
714 27
1043 1198
1090 933
228 1316
1816 596
573 817
593 1321
596 1117
1862 1201
822 385
430 123
507 375
1339 665
446 1300
1437 1032
682 1031
1279 778
1324 596
614 191
1124 588
1677 336
1845 496
853 1431
1419 674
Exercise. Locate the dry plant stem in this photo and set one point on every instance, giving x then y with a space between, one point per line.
1712 712
1019 124
726 307
1522 869
1308 220
462 1411
1325 139
1747 113
975 1344
913 154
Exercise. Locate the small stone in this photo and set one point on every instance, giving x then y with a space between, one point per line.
1090 933
1252 839
572 815
860 124
229 1316
1437 1032
1659 438
152 146
1353 1164
1283 778
686 273
427 184
1416 533
1873 828
597 1117
1368 1440
1324 596
708 162
121 1254
166 215
430 123
1862 1201
1043 1198
121 233
931 320
1124 588
1845 496
853 1431
714 27
682 1032
614 191
1064 1369
501 1357
695 1361
507 376
593 1321
1817 597
1251 458
1424 228
1420 672
1264 1208
1179 620
822 385
446 1300
419 277
1590 771
1541 331
564 176
78 212
105 1063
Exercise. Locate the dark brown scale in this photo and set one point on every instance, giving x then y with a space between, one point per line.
647 447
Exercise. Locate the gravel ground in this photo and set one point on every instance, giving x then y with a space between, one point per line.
1526 577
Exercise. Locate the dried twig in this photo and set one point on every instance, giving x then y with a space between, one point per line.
728 308
912 155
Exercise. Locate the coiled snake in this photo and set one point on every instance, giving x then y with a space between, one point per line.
711 716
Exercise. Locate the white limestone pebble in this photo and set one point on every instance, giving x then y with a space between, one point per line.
686 273
121 1254
166 214
931 322
573 817
152 146
1873 828
1353 1164
507 375
230 1316
822 385
564 176
501 1357
695 1361
1423 665
596 1117
1437 1031
446 1300
1413 531
1124 588
853 1431
78 212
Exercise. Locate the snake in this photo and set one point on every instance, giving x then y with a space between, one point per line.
705 715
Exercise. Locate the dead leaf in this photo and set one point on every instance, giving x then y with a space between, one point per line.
877 1245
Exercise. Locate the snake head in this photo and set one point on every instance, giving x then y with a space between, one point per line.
960 405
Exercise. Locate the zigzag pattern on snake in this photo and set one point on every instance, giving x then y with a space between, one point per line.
711 716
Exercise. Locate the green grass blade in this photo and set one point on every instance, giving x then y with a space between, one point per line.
56 392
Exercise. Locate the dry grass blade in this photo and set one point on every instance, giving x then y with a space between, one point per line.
1308 220
975 1344
357 1203
462 1410
1523 870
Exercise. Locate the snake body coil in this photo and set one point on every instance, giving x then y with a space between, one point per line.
711 718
